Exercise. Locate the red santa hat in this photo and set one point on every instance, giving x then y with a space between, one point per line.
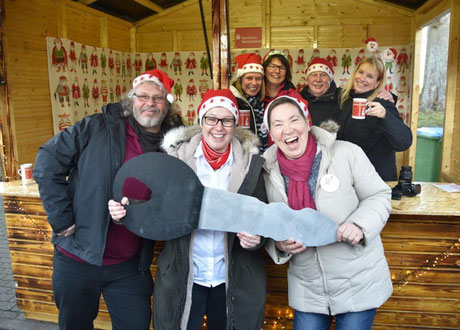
218 98
248 63
303 105
158 77
320 64
62 78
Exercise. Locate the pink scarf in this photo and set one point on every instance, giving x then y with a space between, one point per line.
298 171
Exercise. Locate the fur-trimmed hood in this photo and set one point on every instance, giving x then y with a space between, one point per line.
248 140
330 125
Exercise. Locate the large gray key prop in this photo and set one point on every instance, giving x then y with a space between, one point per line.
180 204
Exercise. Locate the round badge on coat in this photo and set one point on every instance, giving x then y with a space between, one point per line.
329 183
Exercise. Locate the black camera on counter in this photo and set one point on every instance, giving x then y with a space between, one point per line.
405 186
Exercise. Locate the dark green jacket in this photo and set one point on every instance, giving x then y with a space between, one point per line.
246 285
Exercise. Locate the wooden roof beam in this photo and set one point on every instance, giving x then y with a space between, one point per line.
389 6
150 5
168 11
86 2
427 6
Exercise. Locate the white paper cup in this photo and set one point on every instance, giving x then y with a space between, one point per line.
25 171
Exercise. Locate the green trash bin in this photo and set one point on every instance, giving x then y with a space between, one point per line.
428 154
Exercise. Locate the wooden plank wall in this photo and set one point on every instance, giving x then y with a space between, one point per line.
26 25
305 23
285 24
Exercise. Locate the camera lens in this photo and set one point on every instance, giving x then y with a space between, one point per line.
406 174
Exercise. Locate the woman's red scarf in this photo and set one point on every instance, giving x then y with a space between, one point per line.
298 171
214 158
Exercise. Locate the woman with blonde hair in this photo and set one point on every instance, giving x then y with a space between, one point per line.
382 132
249 91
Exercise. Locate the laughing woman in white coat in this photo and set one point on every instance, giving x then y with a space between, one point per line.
307 167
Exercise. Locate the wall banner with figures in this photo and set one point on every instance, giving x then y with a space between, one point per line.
83 78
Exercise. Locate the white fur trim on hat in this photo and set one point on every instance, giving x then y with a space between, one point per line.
218 101
320 67
146 77
301 104
250 67
149 77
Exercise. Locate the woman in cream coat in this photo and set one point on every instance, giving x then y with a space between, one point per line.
350 278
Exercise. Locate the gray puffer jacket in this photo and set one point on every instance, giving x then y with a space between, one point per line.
339 277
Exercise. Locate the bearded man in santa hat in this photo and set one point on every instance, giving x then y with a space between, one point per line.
75 171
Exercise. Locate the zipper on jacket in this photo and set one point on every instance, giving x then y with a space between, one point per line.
323 277
109 181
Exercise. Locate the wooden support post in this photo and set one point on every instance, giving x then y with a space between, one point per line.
7 150
451 90
219 45
266 5
104 32
61 19
415 97
315 36
132 40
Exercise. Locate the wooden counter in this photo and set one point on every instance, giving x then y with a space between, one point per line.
421 242
31 253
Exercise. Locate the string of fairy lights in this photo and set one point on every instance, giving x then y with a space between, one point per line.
285 317
17 206
427 266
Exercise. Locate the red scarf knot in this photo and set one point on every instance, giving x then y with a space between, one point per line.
214 158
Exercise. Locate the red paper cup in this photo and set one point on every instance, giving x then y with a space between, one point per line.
244 119
359 108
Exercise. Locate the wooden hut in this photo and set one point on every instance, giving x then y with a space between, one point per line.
413 241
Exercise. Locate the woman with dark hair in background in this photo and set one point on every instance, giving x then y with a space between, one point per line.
278 75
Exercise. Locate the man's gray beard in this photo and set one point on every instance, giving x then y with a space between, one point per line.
149 122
